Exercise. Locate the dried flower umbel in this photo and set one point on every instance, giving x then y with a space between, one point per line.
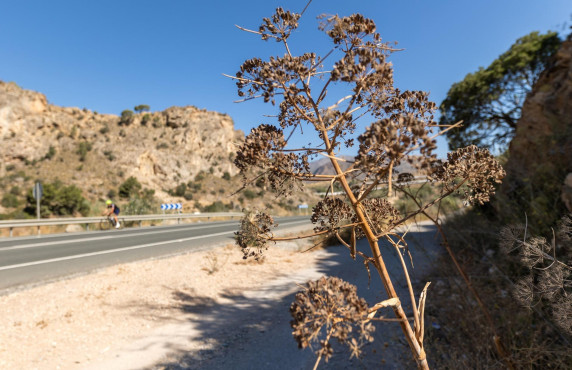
477 167
327 309
549 282
254 234
395 127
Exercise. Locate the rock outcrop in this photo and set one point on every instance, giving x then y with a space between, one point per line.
160 149
540 155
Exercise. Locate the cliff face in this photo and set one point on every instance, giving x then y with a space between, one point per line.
160 149
540 155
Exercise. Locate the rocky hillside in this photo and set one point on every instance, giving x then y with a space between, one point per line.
182 154
93 151
539 168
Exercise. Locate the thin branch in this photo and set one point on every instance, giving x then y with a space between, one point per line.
409 287
421 310
255 32
243 79
281 239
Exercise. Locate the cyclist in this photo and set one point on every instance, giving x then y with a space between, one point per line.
112 209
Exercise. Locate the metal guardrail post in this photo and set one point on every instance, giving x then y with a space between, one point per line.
11 229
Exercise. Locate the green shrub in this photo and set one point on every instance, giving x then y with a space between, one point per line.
82 149
217 206
156 122
109 155
145 119
15 190
138 206
226 176
10 201
249 194
180 190
10 167
104 130
126 117
111 194
129 188
58 200
162 146
51 153
195 186
200 176
141 108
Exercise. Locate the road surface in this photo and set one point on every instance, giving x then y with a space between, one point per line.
28 261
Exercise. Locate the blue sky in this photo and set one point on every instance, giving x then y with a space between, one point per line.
109 56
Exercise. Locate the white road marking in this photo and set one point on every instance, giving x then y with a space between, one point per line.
109 251
121 249
101 237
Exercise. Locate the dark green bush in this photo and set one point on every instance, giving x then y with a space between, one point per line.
180 190
10 201
126 117
162 146
249 194
111 194
129 188
217 206
145 119
82 149
58 200
141 108
200 176
51 153
15 190
226 176
109 155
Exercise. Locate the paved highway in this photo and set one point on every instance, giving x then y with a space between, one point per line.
29 261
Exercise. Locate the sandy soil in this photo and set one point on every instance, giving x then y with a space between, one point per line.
74 323
177 313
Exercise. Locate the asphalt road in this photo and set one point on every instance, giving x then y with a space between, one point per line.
29 261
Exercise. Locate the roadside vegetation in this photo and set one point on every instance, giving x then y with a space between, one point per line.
391 127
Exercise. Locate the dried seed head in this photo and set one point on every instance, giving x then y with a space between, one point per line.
330 213
262 150
524 291
551 282
330 306
511 238
380 214
390 140
280 25
475 165
254 234
562 313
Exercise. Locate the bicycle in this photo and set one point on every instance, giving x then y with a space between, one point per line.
108 223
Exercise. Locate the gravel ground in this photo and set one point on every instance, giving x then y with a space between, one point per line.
178 313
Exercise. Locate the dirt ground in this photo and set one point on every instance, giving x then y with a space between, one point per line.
208 310
73 323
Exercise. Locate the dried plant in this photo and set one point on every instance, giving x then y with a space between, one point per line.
329 308
214 262
398 128
548 285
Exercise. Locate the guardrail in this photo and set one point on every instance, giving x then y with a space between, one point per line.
12 224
